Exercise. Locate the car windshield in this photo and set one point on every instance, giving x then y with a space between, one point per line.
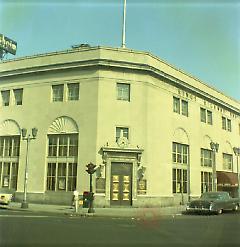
211 196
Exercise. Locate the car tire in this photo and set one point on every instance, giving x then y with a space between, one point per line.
236 207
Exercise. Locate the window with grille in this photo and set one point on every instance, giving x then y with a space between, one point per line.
73 91
9 146
8 175
206 182
229 125
123 91
9 156
227 161
63 145
180 104
180 153
184 108
18 96
62 162
5 97
61 176
206 157
224 123
176 105
57 92
179 180
206 116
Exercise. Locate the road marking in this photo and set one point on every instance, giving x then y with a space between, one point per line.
24 216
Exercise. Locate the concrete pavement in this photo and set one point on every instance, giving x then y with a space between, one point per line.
104 212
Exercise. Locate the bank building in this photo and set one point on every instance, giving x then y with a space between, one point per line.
158 135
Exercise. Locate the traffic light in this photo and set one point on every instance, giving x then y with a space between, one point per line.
90 168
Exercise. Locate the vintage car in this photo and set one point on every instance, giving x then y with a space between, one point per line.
213 202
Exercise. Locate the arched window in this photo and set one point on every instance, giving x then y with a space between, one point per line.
9 154
62 155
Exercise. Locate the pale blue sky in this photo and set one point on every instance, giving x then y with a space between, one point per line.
200 37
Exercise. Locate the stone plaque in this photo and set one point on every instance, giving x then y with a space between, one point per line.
100 185
142 186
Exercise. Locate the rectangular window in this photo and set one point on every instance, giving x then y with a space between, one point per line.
6 175
184 108
18 95
5 97
206 182
14 174
123 91
8 147
206 157
57 93
51 176
209 117
122 132
224 123
73 91
179 180
206 116
203 115
229 125
227 161
52 145
73 145
176 105
63 145
72 176
16 146
1 146
180 153
61 176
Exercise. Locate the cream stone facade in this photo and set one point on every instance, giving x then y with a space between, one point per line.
145 124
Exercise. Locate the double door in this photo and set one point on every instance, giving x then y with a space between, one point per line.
121 184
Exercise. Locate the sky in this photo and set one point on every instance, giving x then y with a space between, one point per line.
199 37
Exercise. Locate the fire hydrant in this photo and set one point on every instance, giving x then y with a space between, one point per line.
76 200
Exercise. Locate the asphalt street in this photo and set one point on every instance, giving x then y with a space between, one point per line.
38 229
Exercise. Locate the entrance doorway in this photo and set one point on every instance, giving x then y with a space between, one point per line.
121 184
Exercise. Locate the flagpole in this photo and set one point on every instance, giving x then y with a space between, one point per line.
124 25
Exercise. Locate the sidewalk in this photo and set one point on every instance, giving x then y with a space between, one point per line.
103 212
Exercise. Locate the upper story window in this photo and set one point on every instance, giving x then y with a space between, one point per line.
229 125
123 91
180 106
64 145
57 92
73 91
206 157
206 116
122 132
180 153
5 97
227 161
226 124
18 95
9 146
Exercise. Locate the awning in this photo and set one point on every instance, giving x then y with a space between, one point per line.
227 179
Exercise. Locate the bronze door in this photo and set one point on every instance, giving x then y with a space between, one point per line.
121 184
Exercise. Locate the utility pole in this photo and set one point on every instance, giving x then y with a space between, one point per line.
124 25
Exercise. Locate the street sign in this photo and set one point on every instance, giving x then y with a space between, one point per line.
8 45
